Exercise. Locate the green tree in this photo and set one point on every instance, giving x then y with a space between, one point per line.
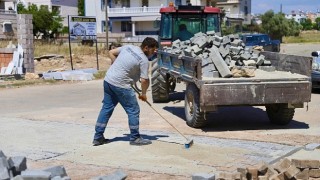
295 28
44 21
81 7
318 23
277 26
307 24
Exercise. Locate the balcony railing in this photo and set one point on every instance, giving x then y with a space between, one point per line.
3 11
227 1
235 16
133 10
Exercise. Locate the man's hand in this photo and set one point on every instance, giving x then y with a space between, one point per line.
143 97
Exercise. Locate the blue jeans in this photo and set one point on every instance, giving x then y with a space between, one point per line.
127 98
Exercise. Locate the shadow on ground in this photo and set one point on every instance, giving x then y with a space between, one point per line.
126 137
316 91
235 118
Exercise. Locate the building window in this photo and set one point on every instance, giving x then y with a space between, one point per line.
177 2
246 10
7 27
103 5
103 26
56 9
145 3
126 26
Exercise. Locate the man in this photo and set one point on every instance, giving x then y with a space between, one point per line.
129 63
184 34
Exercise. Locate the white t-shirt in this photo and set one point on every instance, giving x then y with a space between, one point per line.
130 65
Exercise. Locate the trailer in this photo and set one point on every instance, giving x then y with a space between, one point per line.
280 91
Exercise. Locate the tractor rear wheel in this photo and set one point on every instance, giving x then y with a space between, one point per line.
159 85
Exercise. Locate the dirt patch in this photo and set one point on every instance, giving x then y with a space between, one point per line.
78 62
89 171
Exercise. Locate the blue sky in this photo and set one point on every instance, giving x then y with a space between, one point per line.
261 6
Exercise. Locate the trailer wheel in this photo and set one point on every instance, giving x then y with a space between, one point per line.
160 88
194 116
280 114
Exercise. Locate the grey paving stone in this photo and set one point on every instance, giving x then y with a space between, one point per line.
203 176
4 163
211 33
219 63
223 51
4 173
312 146
35 174
235 50
267 68
236 42
2 154
18 162
56 171
17 178
117 175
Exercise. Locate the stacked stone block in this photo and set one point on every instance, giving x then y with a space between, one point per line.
227 54
285 169
16 168
25 39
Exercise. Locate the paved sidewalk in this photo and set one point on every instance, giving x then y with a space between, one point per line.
43 140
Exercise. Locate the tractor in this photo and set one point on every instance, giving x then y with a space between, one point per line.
174 20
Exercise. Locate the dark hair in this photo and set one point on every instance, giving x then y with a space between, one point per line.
149 42
114 45
182 27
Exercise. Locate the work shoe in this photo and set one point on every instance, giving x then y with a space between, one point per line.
140 142
100 141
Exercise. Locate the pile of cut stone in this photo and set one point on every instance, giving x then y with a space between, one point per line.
224 56
294 168
283 169
15 168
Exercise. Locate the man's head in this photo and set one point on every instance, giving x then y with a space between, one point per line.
149 46
182 27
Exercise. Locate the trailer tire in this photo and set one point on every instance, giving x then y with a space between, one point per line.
193 113
280 114
159 85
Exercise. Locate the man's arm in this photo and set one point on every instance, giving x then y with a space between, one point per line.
113 53
144 87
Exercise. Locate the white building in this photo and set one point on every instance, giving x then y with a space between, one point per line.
8 19
133 18
8 6
237 11
297 17
64 7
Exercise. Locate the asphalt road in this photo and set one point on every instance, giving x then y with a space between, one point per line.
54 125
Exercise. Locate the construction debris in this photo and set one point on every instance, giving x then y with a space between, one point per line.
15 65
48 56
72 75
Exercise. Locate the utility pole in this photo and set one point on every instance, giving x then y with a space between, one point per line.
107 26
